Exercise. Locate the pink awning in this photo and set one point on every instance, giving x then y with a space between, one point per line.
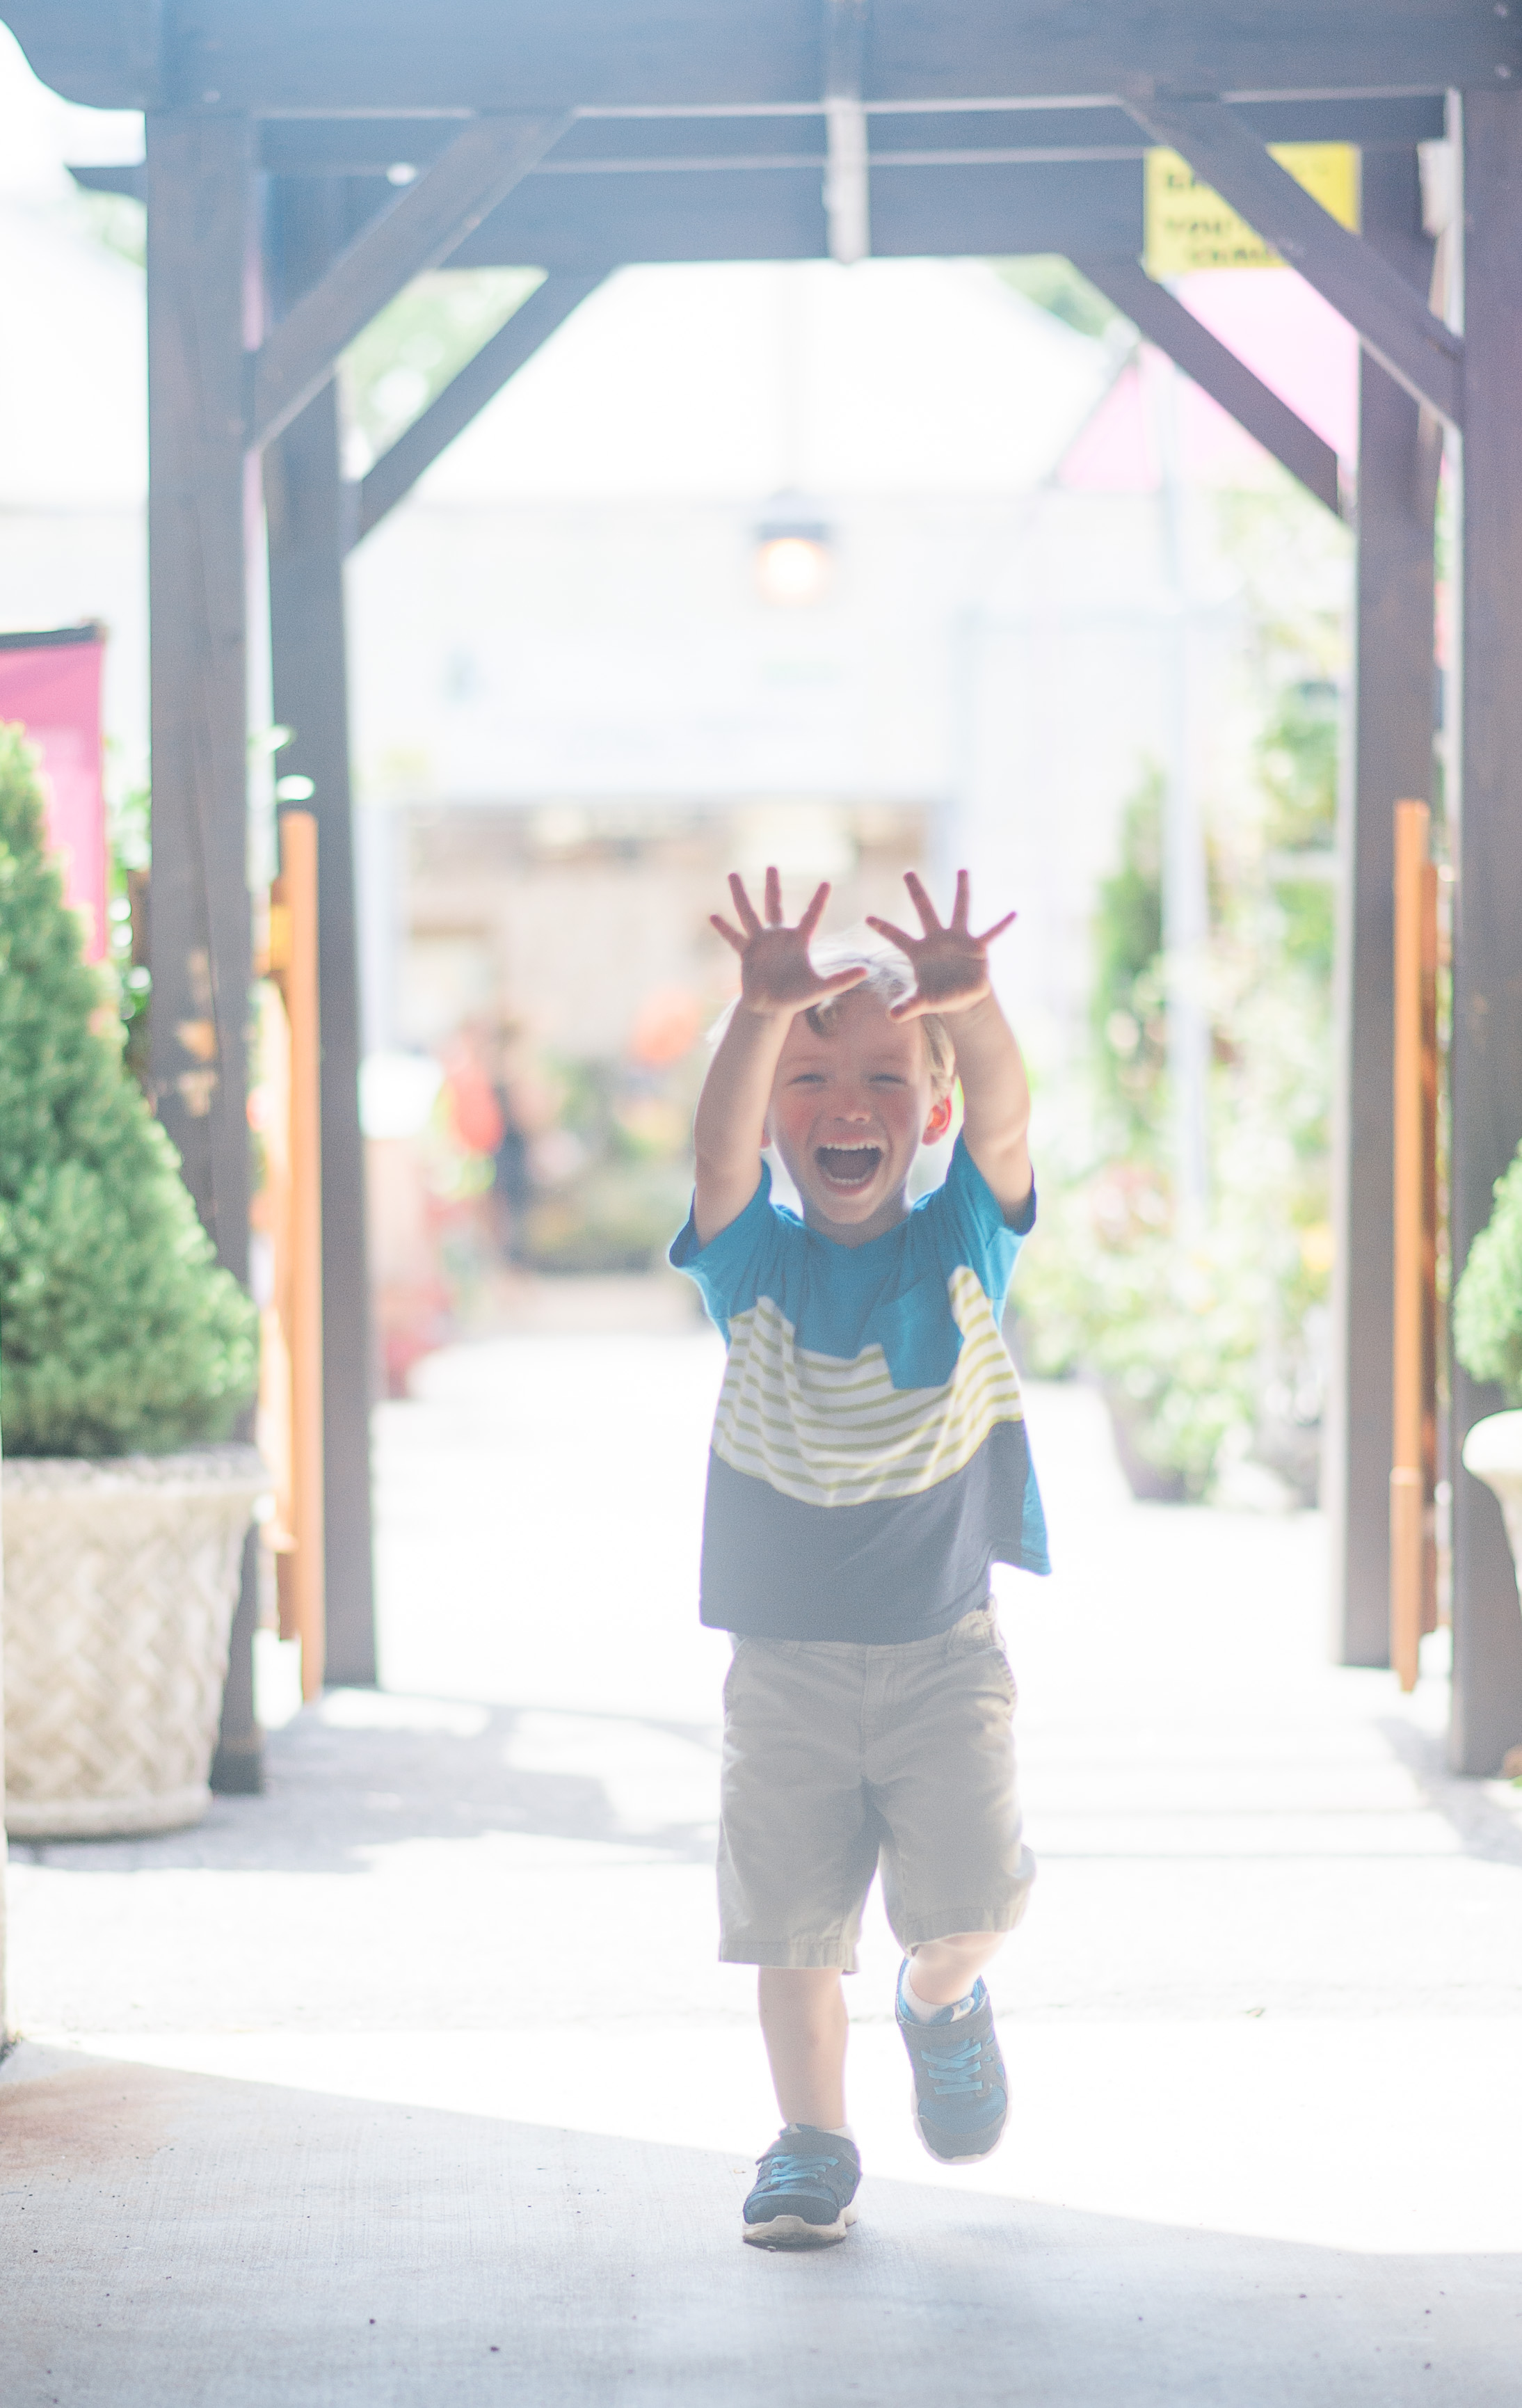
49 683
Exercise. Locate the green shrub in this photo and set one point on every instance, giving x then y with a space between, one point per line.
118 1330
1487 1301
1207 1328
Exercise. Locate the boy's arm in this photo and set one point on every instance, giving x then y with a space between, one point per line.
778 980
951 978
996 1101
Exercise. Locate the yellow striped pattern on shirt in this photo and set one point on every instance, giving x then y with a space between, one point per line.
829 1432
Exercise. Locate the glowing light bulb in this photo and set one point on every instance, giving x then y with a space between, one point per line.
792 570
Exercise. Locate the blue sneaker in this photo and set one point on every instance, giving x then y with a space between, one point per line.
962 2090
804 2186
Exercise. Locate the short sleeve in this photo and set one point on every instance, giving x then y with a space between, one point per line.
729 1269
971 1226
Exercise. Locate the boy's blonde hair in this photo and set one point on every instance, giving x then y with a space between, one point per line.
889 977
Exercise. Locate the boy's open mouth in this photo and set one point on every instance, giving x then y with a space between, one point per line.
847 1165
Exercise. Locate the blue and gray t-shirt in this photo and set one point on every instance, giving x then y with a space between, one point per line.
869 1456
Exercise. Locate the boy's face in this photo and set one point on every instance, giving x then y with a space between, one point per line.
849 1113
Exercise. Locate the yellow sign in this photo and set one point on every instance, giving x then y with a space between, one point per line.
1190 226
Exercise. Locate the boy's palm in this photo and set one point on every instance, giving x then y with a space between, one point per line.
776 973
950 965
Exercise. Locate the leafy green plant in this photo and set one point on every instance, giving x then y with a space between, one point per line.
1487 1301
1206 1331
129 851
1130 1024
118 1329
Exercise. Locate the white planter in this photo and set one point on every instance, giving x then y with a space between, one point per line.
1493 1453
122 1581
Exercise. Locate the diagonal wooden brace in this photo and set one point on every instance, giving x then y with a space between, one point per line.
1391 320
431 220
465 396
1153 310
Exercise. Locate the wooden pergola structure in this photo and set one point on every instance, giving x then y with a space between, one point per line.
303 162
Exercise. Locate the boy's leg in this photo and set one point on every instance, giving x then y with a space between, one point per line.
956 1874
802 2020
806 2181
942 1971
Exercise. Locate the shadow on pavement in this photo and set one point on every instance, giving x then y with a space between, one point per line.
1484 1830
220 2243
337 1789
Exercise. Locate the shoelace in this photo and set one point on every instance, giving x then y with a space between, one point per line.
782 2172
955 2072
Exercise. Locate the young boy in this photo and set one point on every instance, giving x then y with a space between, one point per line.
869 1463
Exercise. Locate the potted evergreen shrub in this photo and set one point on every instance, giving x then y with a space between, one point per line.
1488 1341
126 1359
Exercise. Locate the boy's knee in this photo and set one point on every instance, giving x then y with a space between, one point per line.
801 1993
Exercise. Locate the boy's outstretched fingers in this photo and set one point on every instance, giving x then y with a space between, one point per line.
812 917
750 923
997 928
949 962
775 956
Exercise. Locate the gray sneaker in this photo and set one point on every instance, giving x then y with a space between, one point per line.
804 2186
962 2090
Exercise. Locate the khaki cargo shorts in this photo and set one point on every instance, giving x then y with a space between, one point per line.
840 1757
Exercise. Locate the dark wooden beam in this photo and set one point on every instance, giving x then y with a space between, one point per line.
957 211
304 501
360 57
1392 728
1487 1061
199 182
465 397
1155 313
433 216
370 145
1391 320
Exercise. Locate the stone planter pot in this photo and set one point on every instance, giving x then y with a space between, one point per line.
122 1580
1493 1453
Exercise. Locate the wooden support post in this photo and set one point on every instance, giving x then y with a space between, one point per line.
198 181
1392 727
1412 1599
304 502
1487 1068
199 172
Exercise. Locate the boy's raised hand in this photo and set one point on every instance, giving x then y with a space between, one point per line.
777 978
950 965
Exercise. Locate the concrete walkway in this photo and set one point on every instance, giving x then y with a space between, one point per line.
415 2082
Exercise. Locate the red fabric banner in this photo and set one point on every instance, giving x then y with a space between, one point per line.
51 684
